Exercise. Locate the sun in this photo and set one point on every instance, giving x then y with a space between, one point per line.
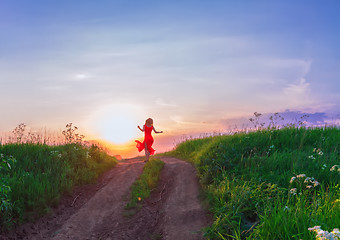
116 123
118 129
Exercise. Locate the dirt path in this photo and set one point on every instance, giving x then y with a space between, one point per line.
172 212
183 215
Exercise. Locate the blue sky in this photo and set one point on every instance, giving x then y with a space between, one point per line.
191 65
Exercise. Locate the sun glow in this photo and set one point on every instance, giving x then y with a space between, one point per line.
116 123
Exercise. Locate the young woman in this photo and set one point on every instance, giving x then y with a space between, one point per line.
146 145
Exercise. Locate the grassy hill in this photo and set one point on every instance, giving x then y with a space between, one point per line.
269 184
34 177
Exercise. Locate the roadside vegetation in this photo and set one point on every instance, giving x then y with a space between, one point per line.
272 183
145 183
35 175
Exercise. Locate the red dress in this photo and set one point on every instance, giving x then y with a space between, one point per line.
148 140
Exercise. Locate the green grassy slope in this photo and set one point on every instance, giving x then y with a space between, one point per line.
34 176
269 184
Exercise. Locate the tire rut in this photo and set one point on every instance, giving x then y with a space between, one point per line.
109 201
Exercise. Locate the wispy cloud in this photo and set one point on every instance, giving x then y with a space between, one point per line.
298 94
81 76
162 103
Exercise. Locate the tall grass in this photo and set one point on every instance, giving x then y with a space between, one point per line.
34 176
255 186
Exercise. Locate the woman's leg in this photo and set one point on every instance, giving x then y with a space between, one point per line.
147 154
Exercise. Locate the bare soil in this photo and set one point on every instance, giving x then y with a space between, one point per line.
97 211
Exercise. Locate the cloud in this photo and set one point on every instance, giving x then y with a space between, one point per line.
298 94
179 120
191 75
160 102
81 76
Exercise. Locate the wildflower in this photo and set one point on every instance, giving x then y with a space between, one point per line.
314 150
9 165
315 227
292 179
309 186
309 180
311 157
301 175
312 181
321 234
286 208
320 153
293 191
139 198
324 167
334 168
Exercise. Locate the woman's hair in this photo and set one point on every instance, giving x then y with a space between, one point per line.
149 122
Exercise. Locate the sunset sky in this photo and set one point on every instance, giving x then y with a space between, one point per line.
193 66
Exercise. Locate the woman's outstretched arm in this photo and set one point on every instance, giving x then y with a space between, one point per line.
156 131
140 128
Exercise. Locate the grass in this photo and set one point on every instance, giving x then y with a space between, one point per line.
255 187
147 181
34 177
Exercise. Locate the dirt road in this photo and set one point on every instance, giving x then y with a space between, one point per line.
172 212
183 216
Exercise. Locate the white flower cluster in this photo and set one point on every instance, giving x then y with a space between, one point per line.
309 181
4 156
293 191
324 235
318 151
56 152
270 149
297 176
335 168
292 179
